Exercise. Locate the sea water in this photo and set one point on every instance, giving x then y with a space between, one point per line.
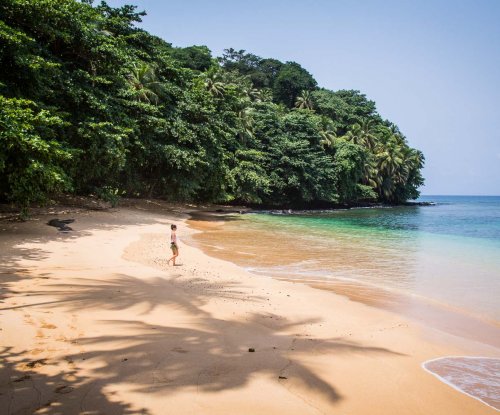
478 377
435 262
447 253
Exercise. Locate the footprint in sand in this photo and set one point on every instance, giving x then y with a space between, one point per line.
61 338
69 377
70 361
36 352
161 378
28 319
40 335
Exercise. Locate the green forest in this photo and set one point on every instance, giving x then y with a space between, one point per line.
92 104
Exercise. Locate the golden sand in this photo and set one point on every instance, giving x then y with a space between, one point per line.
95 322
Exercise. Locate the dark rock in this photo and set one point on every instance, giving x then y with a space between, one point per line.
61 224
251 350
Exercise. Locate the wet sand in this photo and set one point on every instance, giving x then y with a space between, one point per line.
227 245
449 320
478 377
95 322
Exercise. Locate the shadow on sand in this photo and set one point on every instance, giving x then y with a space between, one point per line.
162 359
211 355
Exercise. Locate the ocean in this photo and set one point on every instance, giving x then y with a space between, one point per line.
438 264
446 255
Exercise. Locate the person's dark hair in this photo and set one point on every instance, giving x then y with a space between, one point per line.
173 227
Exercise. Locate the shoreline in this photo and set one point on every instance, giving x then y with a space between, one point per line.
421 310
424 310
95 321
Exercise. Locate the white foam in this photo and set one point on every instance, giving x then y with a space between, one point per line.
477 377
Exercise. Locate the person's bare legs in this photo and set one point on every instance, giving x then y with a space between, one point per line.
176 254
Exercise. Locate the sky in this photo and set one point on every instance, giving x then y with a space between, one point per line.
432 67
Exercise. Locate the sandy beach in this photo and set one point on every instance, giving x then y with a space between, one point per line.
94 321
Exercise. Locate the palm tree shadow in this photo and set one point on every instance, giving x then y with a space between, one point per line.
16 235
124 291
25 388
215 356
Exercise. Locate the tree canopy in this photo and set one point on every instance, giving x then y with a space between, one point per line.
90 103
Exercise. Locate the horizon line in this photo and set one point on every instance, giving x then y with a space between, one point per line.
462 195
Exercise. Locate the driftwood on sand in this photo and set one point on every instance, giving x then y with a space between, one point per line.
61 224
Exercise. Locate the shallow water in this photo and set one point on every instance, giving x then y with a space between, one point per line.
438 264
447 254
478 377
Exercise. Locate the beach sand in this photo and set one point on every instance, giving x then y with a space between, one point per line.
95 322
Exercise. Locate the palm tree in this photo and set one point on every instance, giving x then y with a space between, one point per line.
412 160
354 135
416 159
363 134
390 164
368 132
254 94
246 122
144 83
213 82
266 95
261 95
327 132
304 100
390 158
371 176
394 129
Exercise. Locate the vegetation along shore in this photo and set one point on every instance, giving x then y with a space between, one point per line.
91 104
298 309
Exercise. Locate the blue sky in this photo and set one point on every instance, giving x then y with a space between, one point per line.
432 67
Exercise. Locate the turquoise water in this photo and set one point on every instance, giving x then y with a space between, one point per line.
448 253
439 264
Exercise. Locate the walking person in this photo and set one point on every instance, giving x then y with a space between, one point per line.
173 245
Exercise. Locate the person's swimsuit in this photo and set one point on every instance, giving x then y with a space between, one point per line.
173 243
